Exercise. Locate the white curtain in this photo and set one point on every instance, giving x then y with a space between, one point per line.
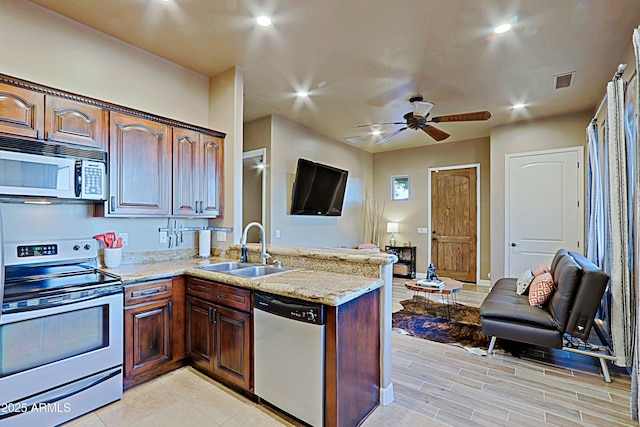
617 261
595 244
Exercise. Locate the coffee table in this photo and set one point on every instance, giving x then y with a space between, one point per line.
448 293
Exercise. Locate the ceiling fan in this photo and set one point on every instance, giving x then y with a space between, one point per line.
419 119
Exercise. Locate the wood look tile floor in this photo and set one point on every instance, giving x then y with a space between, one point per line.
435 385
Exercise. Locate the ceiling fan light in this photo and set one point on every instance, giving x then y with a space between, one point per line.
422 108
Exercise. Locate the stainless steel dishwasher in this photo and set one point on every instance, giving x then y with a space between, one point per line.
289 346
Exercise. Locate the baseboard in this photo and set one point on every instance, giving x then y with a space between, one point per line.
386 395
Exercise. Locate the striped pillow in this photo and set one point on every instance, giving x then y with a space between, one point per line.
540 289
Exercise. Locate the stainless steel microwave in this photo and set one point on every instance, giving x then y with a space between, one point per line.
37 175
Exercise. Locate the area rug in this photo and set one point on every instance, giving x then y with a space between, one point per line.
426 319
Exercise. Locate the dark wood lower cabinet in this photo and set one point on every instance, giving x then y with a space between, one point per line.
352 360
153 329
219 340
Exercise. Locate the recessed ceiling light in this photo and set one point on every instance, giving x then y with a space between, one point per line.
376 132
263 21
302 94
518 106
503 28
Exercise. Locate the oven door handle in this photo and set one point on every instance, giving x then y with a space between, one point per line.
53 396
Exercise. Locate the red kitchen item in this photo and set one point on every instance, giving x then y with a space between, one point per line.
100 237
118 243
109 239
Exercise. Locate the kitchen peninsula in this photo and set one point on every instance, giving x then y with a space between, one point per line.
349 283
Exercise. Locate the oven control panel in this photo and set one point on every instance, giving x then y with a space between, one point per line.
37 250
49 251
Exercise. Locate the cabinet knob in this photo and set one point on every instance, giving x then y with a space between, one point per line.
513 244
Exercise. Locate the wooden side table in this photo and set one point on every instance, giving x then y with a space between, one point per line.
448 293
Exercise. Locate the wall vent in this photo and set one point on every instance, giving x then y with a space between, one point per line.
562 81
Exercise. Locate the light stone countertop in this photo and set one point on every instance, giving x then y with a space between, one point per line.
310 285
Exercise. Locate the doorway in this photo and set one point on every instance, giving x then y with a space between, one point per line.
254 186
544 207
454 219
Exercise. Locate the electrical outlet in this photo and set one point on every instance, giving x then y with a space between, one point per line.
163 237
221 236
125 239
277 234
422 230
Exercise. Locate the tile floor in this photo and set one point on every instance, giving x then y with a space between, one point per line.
435 385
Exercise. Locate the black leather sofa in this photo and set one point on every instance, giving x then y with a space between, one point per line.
578 288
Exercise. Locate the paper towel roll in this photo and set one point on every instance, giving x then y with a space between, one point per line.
204 243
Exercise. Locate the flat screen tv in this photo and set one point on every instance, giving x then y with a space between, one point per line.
318 189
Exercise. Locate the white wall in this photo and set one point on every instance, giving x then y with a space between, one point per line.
46 48
290 141
556 132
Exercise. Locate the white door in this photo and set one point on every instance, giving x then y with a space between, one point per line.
543 207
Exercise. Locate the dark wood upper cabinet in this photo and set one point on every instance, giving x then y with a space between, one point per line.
139 167
197 174
24 112
21 111
75 123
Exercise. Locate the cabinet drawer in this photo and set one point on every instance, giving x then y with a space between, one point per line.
201 289
233 297
219 293
147 291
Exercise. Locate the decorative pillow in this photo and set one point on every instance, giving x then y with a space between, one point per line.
541 269
523 282
540 289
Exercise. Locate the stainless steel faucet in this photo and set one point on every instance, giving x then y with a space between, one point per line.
263 254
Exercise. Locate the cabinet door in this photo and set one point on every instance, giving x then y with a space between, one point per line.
200 332
186 199
147 336
211 181
21 111
233 346
139 167
75 122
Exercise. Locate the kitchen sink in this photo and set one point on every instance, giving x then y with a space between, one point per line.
259 271
225 267
245 269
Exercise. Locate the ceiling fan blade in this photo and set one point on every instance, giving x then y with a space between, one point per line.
435 133
463 117
391 135
379 124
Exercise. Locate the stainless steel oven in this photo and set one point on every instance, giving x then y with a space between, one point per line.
61 344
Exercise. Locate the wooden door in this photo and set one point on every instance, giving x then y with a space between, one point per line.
21 111
211 179
200 333
544 209
139 167
454 223
186 173
76 123
233 346
148 336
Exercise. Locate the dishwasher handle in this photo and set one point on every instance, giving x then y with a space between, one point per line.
289 308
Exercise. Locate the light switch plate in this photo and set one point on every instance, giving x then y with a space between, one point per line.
163 237
221 236
423 230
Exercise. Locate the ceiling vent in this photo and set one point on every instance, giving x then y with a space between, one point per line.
562 81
